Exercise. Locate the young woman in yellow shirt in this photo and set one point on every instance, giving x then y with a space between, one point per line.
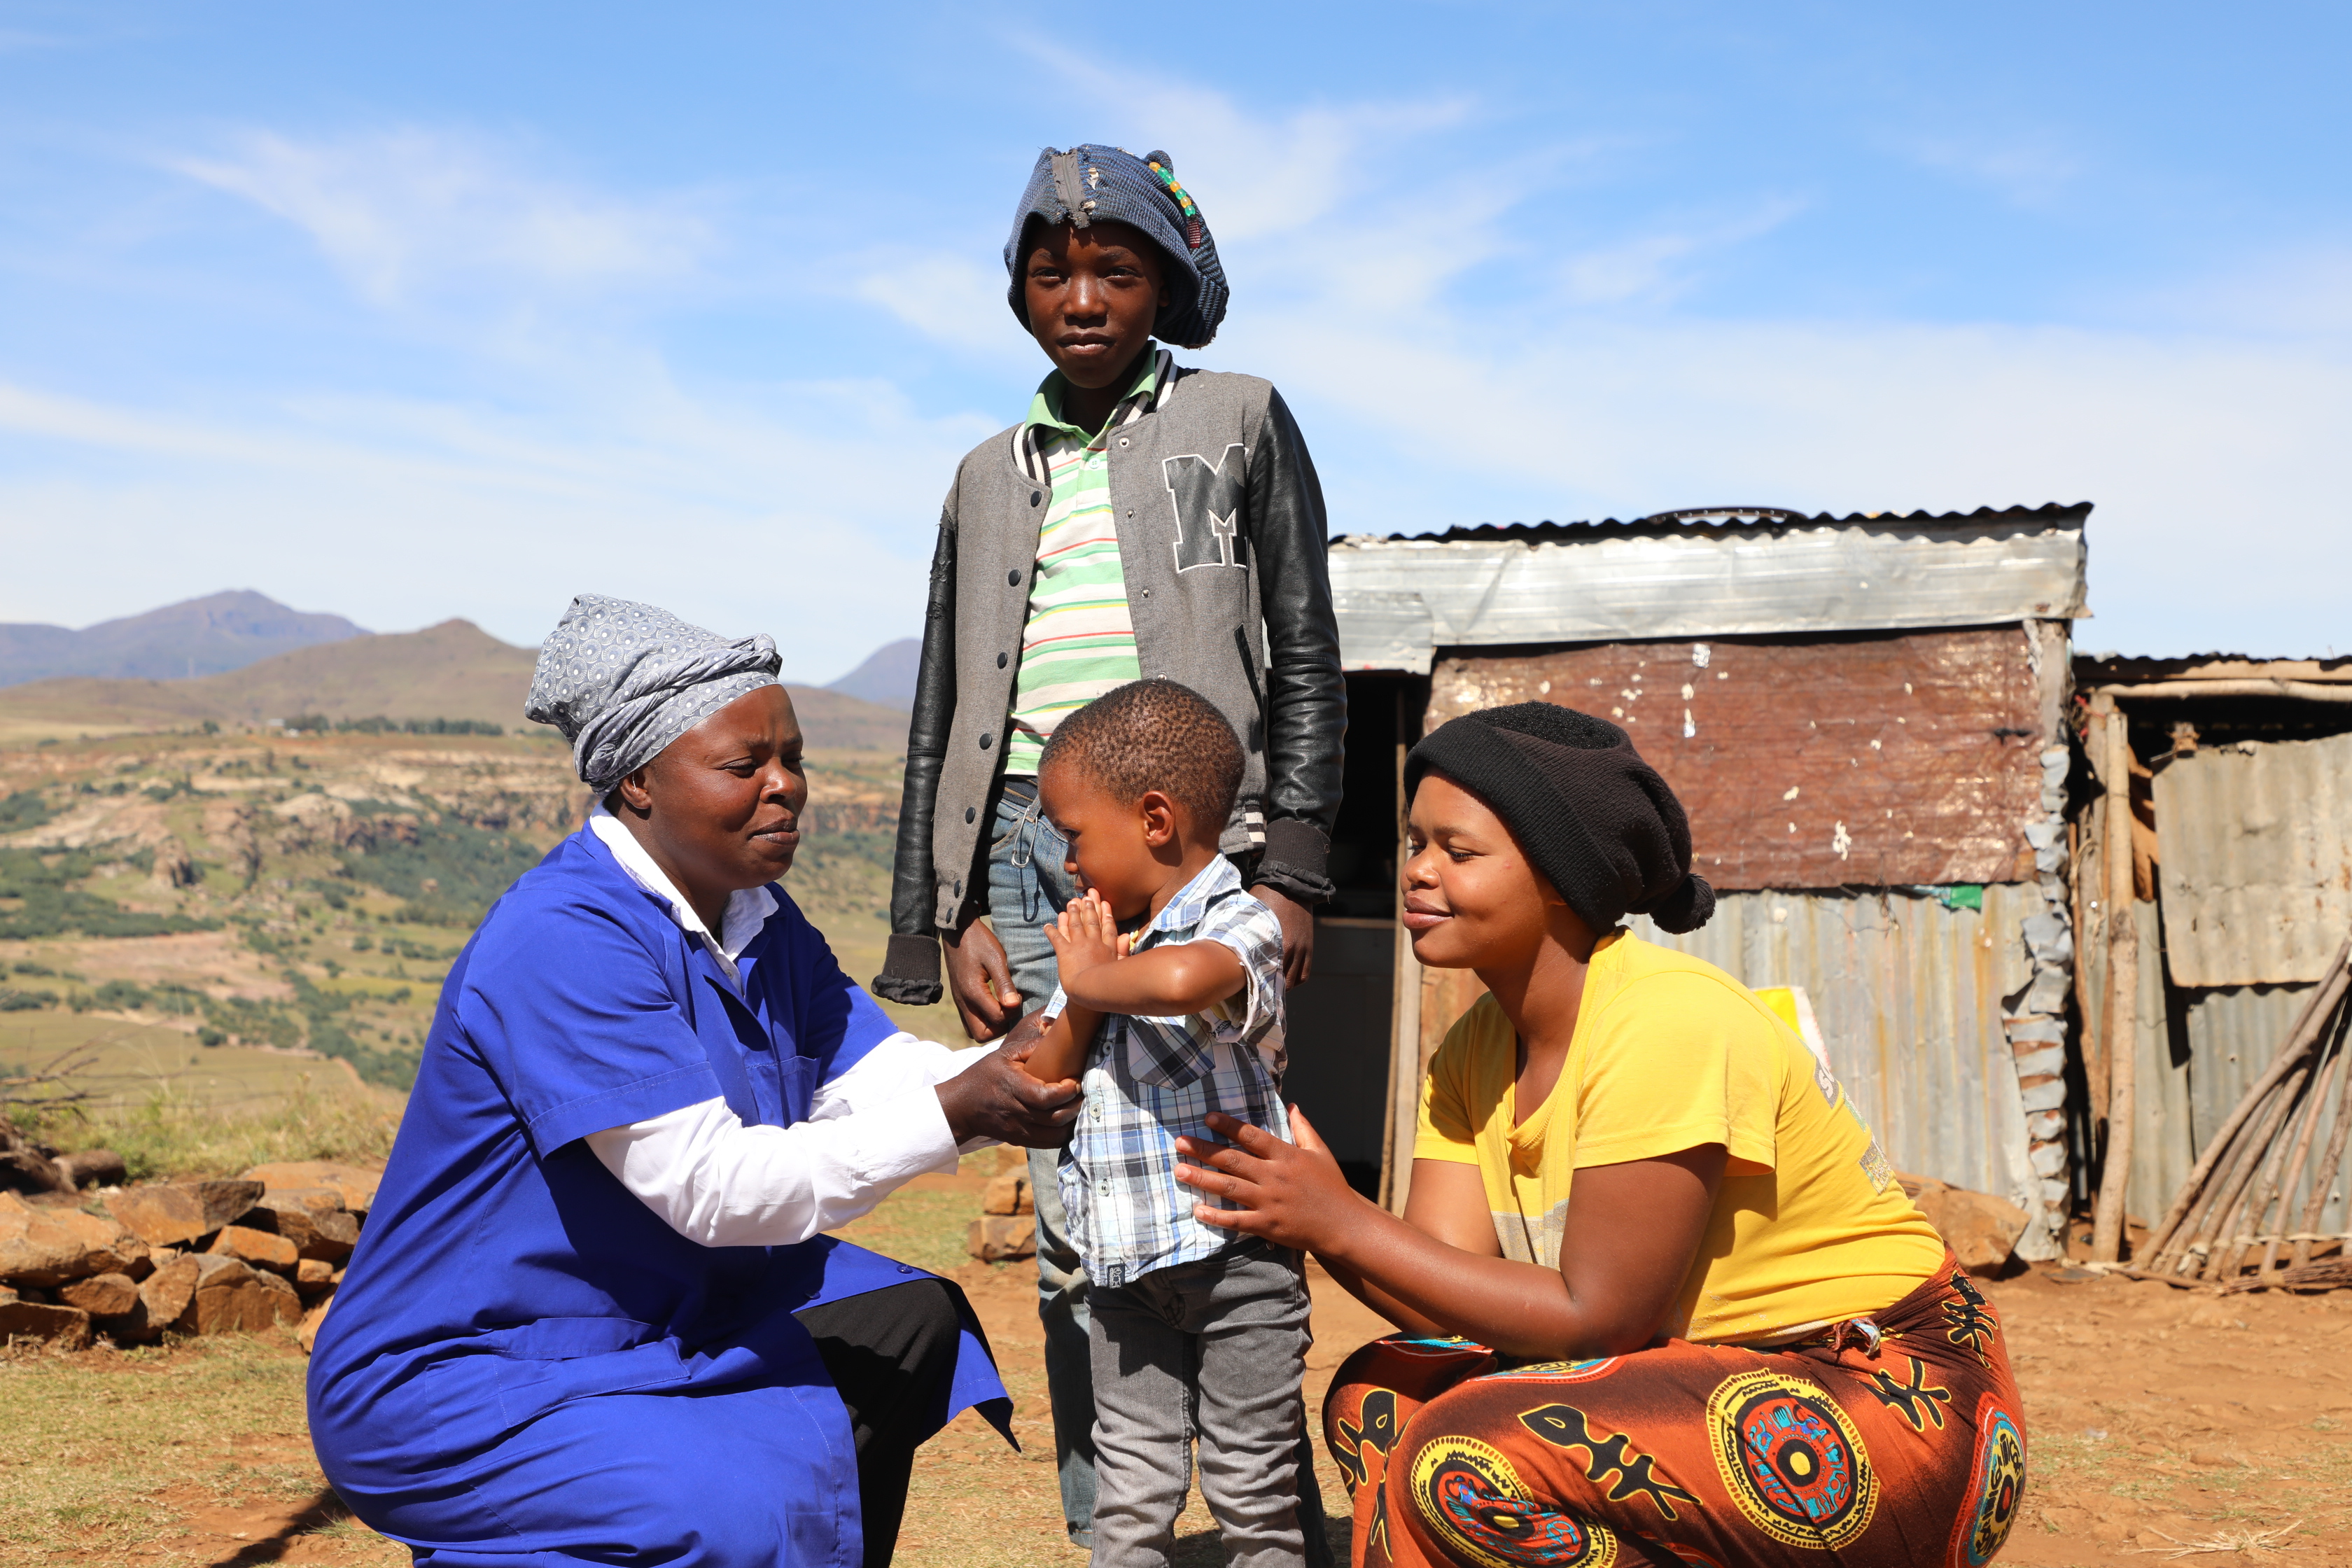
1661 1298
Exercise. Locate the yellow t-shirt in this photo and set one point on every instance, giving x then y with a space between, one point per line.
1809 1226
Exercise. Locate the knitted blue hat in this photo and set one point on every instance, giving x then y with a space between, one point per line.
1090 183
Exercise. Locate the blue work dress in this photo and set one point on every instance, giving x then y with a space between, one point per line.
525 1364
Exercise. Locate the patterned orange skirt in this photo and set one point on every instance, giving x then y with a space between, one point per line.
1894 1440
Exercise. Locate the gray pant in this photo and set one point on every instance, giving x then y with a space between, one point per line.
1027 887
1210 1353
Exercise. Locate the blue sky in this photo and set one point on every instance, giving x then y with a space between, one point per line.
438 310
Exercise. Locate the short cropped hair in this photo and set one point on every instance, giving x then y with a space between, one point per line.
1155 734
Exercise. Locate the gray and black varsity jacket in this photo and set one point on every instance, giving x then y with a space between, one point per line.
1221 537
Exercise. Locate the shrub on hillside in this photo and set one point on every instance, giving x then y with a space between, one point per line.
449 876
50 905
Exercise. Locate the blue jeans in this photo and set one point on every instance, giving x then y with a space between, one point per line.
1027 887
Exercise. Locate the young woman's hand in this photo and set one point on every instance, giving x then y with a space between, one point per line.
1085 936
1290 1195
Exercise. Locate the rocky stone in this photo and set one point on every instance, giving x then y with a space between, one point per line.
257 1247
307 1333
34 1249
68 1328
314 1277
93 1168
1001 1238
305 1200
103 1295
167 1215
1008 1193
24 1167
1980 1229
326 1234
230 1298
164 1296
356 1184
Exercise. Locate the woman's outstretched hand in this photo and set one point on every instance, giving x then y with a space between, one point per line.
1290 1195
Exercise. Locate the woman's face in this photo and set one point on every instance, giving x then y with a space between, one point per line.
1471 900
722 803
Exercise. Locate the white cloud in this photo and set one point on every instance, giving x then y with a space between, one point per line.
945 296
398 212
2029 169
805 510
1654 268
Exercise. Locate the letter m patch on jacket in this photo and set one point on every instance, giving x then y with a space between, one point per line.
1208 497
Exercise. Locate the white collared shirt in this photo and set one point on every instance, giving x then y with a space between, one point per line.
717 1182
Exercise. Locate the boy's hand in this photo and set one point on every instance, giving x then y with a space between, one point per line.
1085 936
1298 933
980 981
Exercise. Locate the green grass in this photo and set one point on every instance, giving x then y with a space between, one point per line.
170 1134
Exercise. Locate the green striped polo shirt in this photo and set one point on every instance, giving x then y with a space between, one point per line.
1080 641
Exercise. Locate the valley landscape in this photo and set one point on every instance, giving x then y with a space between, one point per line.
227 904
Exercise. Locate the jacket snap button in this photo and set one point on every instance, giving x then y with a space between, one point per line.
986 740
970 812
1014 578
1000 661
1122 440
1035 498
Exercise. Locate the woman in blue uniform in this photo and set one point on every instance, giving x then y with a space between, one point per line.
594 1318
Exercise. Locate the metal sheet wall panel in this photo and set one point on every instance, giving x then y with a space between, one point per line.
2198 1053
1888 759
1910 997
1710 582
2255 843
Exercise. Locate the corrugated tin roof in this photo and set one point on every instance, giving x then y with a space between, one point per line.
1717 519
2254 848
1400 599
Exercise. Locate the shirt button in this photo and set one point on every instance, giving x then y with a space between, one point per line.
1014 578
1000 661
986 740
1035 498
969 812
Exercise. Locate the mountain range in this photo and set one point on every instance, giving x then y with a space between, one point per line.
454 670
196 637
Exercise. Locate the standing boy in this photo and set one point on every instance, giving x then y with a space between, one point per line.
1146 519
1170 1007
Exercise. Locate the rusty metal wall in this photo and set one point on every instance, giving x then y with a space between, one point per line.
2198 1051
1399 600
2255 855
1883 760
1911 995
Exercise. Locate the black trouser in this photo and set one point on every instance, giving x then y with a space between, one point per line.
890 1353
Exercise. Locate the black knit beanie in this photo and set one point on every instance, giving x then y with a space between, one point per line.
1091 183
1597 821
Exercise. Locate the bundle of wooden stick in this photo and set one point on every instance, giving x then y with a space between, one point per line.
2238 1208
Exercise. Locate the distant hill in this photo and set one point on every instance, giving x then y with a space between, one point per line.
886 677
454 670
200 636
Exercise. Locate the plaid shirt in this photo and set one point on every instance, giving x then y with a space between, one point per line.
1151 1080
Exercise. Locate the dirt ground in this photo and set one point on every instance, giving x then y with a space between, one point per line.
2159 1421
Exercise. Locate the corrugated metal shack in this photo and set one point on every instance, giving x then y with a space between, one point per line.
2241 790
1866 717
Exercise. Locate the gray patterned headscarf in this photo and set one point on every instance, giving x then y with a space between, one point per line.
622 681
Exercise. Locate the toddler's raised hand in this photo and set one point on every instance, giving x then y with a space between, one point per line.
1085 935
